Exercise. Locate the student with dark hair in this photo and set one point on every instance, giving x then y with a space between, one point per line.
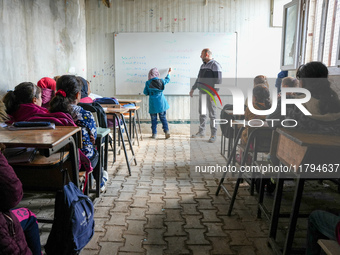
324 104
287 82
66 99
24 100
18 227
48 86
24 104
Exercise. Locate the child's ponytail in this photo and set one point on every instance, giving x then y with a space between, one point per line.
22 94
67 88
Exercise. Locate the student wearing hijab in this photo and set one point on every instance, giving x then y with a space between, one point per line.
85 91
154 88
48 86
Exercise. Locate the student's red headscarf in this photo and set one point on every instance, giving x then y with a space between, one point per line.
47 83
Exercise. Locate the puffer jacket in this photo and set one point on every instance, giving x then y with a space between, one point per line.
328 123
12 237
154 89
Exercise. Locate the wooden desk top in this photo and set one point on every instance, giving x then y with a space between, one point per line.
44 139
116 110
310 140
137 107
132 101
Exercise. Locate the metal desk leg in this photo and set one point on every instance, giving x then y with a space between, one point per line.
300 182
140 130
123 143
129 140
276 212
135 131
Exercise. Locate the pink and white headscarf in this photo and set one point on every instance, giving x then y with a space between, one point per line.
153 73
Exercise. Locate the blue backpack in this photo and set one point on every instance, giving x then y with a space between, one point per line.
73 225
106 100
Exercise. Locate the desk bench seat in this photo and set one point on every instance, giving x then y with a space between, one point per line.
40 160
43 173
331 247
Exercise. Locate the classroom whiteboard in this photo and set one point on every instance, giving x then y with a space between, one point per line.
137 53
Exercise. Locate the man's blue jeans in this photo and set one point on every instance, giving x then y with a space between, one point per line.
162 117
321 225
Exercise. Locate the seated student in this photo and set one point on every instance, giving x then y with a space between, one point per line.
258 80
85 91
66 99
18 227
288 82
24 101
56 77
261 101
324 104
48 86
279 78
24 104
261 80
321 225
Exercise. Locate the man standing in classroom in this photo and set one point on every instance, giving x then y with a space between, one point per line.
210 74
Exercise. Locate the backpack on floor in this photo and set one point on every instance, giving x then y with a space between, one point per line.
73 225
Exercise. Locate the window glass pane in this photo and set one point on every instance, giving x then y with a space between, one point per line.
328 35
336 35
316 35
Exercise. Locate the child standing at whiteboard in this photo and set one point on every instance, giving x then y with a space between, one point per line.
157 103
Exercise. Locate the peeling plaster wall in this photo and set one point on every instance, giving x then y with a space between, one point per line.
258 45
41 38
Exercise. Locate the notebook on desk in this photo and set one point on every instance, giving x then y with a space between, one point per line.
27 125
19 155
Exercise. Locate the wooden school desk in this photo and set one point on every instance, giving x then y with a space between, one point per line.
133 125
133 111
48 141
116 112
298 148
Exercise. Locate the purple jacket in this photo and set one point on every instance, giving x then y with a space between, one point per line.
12 238
32 112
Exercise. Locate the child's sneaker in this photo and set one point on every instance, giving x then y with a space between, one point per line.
154 136
167 135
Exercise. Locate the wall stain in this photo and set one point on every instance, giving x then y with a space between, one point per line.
54 9
64 36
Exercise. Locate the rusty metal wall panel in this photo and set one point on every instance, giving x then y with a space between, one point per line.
258 42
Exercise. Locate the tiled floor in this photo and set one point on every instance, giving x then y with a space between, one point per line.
166 207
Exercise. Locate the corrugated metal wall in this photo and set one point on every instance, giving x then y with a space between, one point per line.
258 45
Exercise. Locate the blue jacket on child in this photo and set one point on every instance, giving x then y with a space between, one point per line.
154 89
